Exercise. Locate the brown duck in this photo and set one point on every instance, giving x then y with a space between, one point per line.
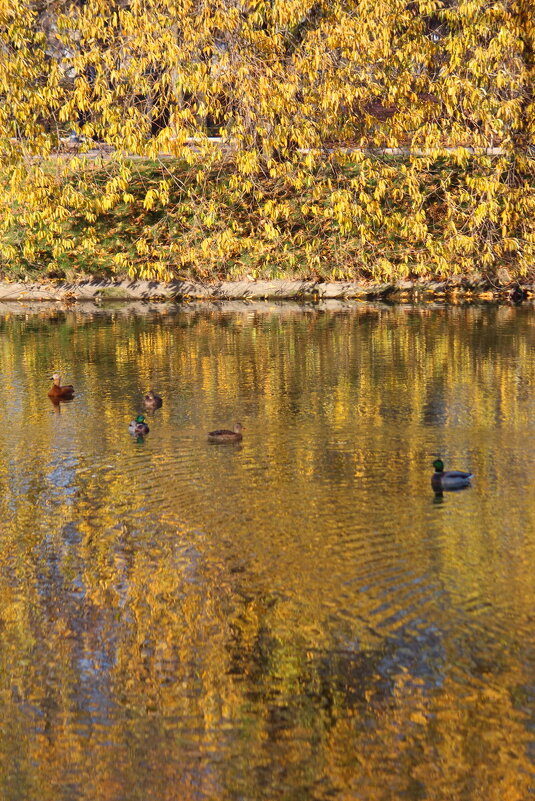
225 435
152 401
58 392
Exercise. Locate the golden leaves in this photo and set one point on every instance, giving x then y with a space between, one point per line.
302 94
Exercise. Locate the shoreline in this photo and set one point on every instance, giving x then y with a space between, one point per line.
126 289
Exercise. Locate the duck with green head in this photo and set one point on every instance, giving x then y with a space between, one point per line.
138 426
448 479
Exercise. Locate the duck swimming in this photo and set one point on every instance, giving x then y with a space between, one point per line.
58 392
152 401
449 479
139 426
225 435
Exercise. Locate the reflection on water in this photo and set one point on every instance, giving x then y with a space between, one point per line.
295 616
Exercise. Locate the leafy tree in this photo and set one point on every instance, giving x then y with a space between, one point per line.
306 97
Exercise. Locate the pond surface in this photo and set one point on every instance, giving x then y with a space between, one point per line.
294 617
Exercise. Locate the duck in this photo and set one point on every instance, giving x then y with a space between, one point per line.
152 401
517 294
225 435
449 479
139 426
58 392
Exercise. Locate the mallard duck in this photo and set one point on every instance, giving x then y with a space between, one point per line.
152 401
138 426
225 435
57 392
449 479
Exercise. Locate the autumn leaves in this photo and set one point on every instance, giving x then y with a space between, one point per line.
305 97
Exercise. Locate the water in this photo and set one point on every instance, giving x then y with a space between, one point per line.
294 617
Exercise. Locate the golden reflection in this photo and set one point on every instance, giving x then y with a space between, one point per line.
294 618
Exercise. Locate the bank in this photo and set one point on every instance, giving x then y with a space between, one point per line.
126 289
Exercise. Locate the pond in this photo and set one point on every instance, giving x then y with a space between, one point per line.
296 616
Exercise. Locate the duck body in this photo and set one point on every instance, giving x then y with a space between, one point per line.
226 435
517 294
139 426
152 401
448 479
58 392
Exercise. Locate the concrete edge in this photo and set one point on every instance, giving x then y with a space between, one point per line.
125 289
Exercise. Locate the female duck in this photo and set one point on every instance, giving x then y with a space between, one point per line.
152 401
57 392
139 426
449 479
225 435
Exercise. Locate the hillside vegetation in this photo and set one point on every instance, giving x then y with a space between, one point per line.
109 113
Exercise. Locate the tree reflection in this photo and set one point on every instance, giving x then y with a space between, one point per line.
295 619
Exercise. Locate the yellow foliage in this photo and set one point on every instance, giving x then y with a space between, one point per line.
305 96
